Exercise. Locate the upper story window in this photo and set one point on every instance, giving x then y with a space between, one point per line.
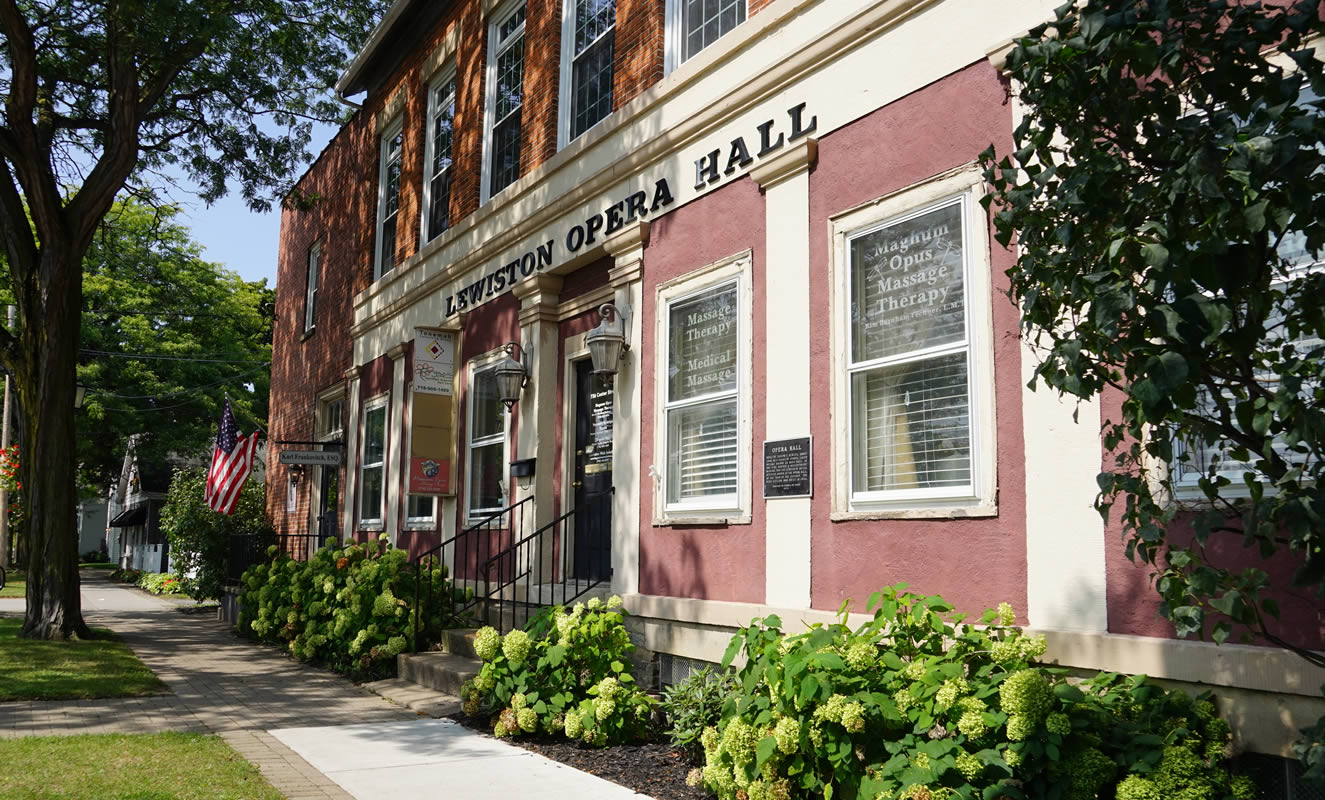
310 293
588 46
704 393
505 99
388 198
693 25
437 171
372 463
487 445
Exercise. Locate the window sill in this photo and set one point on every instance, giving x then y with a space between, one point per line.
372 526
973 511
421 525
716 518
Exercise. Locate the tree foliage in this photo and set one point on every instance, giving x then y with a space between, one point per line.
199 537
100 95
165 336
1167 198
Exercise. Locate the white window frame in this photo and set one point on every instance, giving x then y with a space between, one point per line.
495 49
735 509
384 158
382 402
672 36
446 74
311 286
484 363
963 185
566 89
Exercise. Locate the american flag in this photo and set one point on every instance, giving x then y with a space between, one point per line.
231 462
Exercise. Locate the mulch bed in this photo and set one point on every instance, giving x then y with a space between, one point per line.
653 768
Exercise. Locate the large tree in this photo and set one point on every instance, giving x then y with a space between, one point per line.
99 94
166 335
1167 200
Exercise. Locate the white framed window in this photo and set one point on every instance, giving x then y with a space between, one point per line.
913 378
421 511
693 25
703 431
372 464
1193 460
486 440
588 46
331 416
437 161
388 198
505 100
310 290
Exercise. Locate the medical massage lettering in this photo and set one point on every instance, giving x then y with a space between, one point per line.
908 290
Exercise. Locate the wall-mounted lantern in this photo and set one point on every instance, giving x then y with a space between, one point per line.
512 376
80 392
607 341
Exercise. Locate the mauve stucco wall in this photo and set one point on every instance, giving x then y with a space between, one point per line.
973 563
713 562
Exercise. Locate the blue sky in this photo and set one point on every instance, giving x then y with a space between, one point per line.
237 238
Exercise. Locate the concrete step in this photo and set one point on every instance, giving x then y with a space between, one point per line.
460 642
425 701
439 671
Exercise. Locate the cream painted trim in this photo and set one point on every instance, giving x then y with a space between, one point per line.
1258 668
739 268
388 115
350 513
791 162
575 350
444 52
585 302
965 182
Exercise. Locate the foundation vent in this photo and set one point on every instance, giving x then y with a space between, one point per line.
1278 778
674 669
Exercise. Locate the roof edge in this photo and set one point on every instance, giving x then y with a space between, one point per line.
366 53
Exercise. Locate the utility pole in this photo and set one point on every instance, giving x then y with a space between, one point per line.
4 444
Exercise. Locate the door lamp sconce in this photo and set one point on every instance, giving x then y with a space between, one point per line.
512 375
607 342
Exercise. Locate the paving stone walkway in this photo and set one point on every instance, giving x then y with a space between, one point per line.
220 684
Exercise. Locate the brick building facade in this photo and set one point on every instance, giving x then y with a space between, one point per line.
790 427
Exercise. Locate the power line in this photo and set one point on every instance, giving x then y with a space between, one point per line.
149 313
151 357
177 393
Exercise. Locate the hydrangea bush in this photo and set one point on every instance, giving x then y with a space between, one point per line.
916 704
346 607
568 674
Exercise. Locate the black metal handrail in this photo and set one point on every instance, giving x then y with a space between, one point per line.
246 549
541 566
471 553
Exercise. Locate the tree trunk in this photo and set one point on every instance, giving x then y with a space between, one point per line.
45 380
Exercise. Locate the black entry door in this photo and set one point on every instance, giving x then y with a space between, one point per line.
594 411
329 496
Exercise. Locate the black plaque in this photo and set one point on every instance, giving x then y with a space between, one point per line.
787 470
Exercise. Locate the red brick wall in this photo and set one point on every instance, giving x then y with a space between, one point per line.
344 182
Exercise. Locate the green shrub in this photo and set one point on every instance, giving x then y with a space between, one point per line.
199 537
347 607
124 575
918 705
161 583
568 674
695 704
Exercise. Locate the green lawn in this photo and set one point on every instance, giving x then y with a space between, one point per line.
158 766
102 667
98 565
15 584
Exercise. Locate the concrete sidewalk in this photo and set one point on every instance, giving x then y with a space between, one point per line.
311 732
